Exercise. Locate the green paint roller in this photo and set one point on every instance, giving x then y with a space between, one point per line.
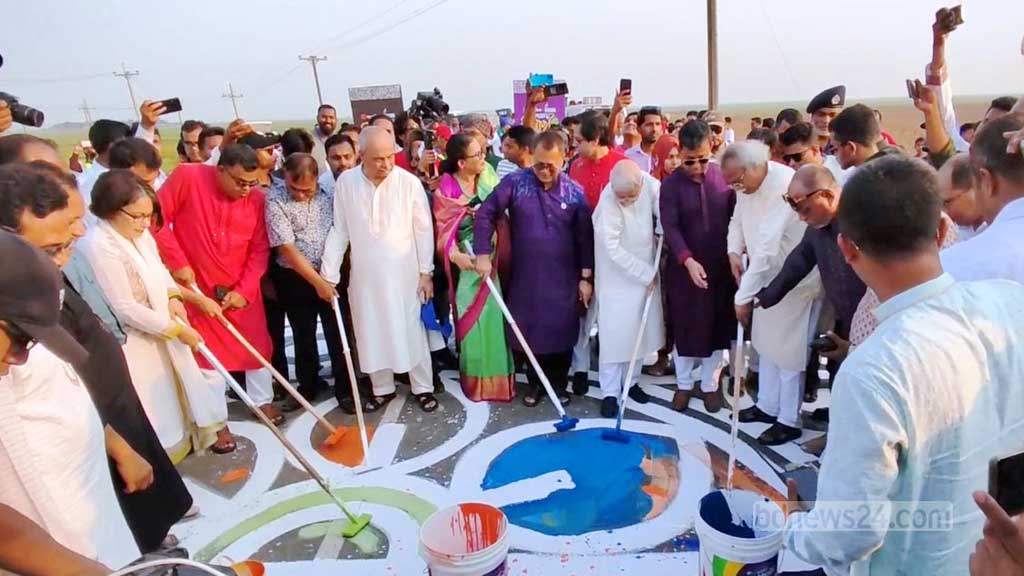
616 435
355 523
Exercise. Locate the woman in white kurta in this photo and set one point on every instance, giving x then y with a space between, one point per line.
186 405
624 274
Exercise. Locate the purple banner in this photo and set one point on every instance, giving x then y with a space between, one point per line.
554 108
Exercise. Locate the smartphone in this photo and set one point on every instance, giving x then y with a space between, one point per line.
958 15
85 144
170 105
1006 482
625 84
428 140
541 80
911 90
559 89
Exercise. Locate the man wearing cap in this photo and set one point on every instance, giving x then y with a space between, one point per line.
52 443
823 108
214 237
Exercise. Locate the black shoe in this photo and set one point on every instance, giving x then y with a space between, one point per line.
444 360
663 367
438 384
290 405
779 434
609 407
580 383
754 414
821 415
637 394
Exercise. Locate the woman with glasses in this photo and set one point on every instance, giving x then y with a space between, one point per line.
696 206
486 368
186 405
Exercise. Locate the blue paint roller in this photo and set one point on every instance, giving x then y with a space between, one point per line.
616 435
566 423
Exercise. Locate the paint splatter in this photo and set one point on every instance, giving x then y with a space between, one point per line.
616 484
346 446
232 476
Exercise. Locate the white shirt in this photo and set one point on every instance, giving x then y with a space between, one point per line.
327 180
730 136
832 164
53 461
642 159
947 111
505 168
996 252
624 265
927 400
86 181
391 233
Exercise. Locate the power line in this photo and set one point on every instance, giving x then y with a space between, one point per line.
313 59
390 27
54 79
234 98
355 27
128 75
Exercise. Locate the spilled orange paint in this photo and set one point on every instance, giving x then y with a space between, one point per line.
249 568
652 490
235 475
346 447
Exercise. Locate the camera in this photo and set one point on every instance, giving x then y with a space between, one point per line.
21 113
429 106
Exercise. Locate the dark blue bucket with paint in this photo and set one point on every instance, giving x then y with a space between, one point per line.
740 533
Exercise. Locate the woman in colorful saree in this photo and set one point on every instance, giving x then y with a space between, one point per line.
486 369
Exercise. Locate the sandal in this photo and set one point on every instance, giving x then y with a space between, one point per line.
563 397
348 405
272 413
427 401
225 442
532 397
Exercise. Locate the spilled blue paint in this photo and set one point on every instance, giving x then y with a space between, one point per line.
608 478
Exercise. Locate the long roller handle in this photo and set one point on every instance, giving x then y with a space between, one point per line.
352 378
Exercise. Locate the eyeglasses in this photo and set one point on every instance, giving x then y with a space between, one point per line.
138 218
795 157
242 182
795 204
715 128
52 251
691 161
21 344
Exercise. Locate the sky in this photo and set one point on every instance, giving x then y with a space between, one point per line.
58 53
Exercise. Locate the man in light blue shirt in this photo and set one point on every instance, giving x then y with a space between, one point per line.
923 405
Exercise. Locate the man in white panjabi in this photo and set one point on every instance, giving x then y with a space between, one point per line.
186 405
383 214
625 270
765 228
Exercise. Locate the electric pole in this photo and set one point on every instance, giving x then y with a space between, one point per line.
712 55
234 98
313 59
128 75
86 111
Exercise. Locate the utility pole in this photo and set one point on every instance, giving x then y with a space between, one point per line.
234 98
313 59
712 55
86 111
128 75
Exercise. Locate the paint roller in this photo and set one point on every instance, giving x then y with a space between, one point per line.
566 423
616 435
335 433
355 524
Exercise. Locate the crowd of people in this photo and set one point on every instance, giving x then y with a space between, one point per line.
815 223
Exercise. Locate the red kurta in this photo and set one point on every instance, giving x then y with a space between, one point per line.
593 175
225 242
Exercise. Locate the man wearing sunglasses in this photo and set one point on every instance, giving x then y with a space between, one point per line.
766 229
215 237
52 443
800 147
696 205
814 195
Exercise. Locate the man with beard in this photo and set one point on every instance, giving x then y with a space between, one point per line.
651 128
326 123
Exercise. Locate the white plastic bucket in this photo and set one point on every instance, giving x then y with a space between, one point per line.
470 539
722 554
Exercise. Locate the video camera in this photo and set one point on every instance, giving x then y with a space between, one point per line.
429 106
21 113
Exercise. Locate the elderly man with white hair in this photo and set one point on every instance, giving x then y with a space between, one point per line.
766 229
624 236
383 214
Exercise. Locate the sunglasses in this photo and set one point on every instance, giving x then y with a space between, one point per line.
795 204
21 344
691 161
795 157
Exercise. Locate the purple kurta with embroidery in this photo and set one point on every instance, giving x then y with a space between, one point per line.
552 240
695 218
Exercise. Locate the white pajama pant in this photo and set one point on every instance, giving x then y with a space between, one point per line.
259 385
421 377
613 374
780 392
708 366
581 351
